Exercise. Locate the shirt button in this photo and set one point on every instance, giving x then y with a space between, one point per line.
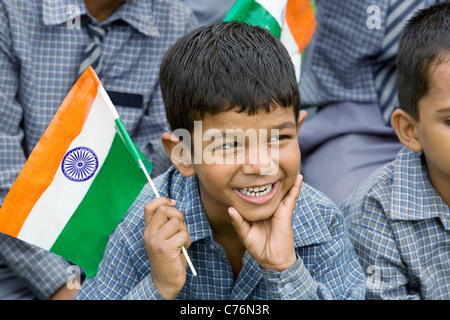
289 288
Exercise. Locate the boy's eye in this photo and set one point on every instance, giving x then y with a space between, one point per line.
278 138
229 145
274 138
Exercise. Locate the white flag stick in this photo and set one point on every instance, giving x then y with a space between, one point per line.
183 249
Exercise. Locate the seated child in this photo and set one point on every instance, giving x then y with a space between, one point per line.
399 219
234 196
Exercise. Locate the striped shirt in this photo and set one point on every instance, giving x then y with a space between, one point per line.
400 228
42 45
326 267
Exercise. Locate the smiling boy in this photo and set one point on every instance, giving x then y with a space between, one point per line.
252 229
399 219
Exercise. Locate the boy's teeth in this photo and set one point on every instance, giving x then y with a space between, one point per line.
256 191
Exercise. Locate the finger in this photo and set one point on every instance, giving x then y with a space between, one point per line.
171 227
162 215
291 197
241 226
181 239
151 207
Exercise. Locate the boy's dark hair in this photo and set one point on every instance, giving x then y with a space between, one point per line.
423 45
226 66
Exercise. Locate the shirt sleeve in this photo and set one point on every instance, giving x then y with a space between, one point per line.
326 270
144 290
294 283
42 271
12 157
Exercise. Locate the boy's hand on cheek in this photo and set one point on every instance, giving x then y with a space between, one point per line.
271 242
165 233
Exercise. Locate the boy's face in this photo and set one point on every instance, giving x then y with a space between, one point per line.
268 158
433 127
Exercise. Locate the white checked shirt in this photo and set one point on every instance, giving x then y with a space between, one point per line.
400 228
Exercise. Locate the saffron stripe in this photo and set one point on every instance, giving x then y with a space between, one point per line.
301 21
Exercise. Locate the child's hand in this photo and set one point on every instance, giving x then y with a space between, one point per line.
271 242
165 233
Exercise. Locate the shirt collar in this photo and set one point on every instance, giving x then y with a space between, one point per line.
138 14
307 221
185 192
413 195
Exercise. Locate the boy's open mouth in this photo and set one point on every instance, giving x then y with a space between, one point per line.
256 191
258 195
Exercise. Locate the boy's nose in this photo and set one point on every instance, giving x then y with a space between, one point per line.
260 161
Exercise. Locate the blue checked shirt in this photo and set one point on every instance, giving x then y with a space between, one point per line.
400 228
353 53
326 267
42 272
41 47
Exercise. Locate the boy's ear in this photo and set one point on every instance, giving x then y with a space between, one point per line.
179 153
301 118
405 126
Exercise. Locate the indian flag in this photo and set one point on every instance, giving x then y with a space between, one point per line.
79 181
291 21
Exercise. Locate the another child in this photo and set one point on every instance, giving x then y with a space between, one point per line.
399 219
234 197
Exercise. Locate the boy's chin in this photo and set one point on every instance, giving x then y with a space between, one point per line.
257 214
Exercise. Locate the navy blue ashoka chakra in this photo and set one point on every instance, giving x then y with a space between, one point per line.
79 164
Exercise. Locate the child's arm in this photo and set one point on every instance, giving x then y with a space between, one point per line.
165 233
271 242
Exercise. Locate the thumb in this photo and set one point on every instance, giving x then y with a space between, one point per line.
241 226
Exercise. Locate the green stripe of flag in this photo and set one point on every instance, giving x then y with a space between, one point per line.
251 12
116 186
